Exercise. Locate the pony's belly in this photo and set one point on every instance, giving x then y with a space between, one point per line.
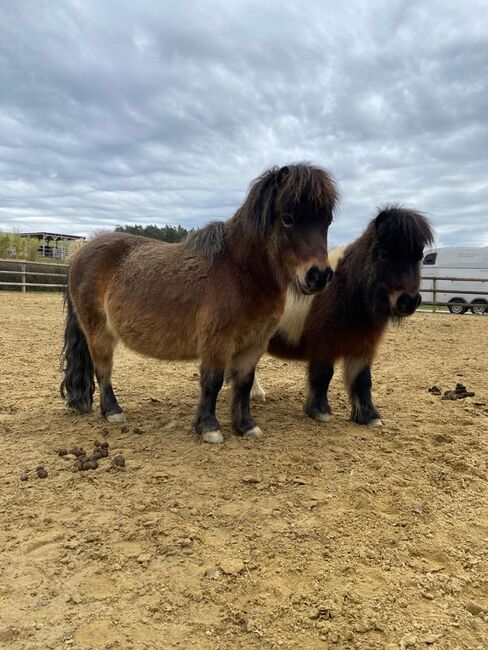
162 342
164 350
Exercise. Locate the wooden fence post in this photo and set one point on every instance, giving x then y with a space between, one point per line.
434 295
23 279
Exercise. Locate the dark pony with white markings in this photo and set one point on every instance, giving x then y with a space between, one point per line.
376 281
217 296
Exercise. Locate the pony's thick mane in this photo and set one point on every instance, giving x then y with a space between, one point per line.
208 240
302 188
409 227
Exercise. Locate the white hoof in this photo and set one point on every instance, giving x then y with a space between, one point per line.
255 432
375 423
323 417
213 437
116 417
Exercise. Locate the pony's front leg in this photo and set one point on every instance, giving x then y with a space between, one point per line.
358 383
206 423
242 421
317 406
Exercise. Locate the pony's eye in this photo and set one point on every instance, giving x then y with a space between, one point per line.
382 255
288 220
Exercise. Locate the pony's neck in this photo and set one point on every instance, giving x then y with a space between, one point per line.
255 255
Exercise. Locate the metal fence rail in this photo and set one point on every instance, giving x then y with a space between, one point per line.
28 269
482 293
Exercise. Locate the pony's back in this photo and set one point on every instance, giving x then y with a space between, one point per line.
336 255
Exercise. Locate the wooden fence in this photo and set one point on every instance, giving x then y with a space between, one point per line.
466 303
21 275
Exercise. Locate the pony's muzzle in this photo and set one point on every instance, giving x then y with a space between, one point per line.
407 303
317 279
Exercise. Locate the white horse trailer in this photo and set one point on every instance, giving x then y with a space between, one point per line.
457 278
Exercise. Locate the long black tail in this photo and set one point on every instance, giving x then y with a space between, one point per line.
78 384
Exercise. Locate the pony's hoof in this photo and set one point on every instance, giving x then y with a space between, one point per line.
372 424
322 417
116 418
212 437
255 432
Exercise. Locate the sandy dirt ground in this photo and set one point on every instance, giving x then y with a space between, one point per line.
318 536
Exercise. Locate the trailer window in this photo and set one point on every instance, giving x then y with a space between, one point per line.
430 258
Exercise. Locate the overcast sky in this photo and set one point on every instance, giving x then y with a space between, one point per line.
117 111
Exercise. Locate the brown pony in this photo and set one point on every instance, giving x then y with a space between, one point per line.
218 296
376 281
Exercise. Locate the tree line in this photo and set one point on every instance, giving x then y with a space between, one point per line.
171 234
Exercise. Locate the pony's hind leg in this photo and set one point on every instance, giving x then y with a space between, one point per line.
109 406
257 391
242 421
102 344
317 406
206 423
357 374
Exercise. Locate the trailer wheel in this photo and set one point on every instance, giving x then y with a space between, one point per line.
457 306
478 309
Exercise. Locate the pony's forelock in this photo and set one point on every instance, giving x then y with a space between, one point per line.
408 228
301 187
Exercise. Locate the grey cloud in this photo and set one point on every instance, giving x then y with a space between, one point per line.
118 112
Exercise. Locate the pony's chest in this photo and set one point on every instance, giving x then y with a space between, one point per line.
293 319
257 330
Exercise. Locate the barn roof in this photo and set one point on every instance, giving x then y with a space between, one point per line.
52 235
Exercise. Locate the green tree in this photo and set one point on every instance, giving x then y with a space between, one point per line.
169 234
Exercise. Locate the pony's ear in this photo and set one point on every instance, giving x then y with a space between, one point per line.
282 173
